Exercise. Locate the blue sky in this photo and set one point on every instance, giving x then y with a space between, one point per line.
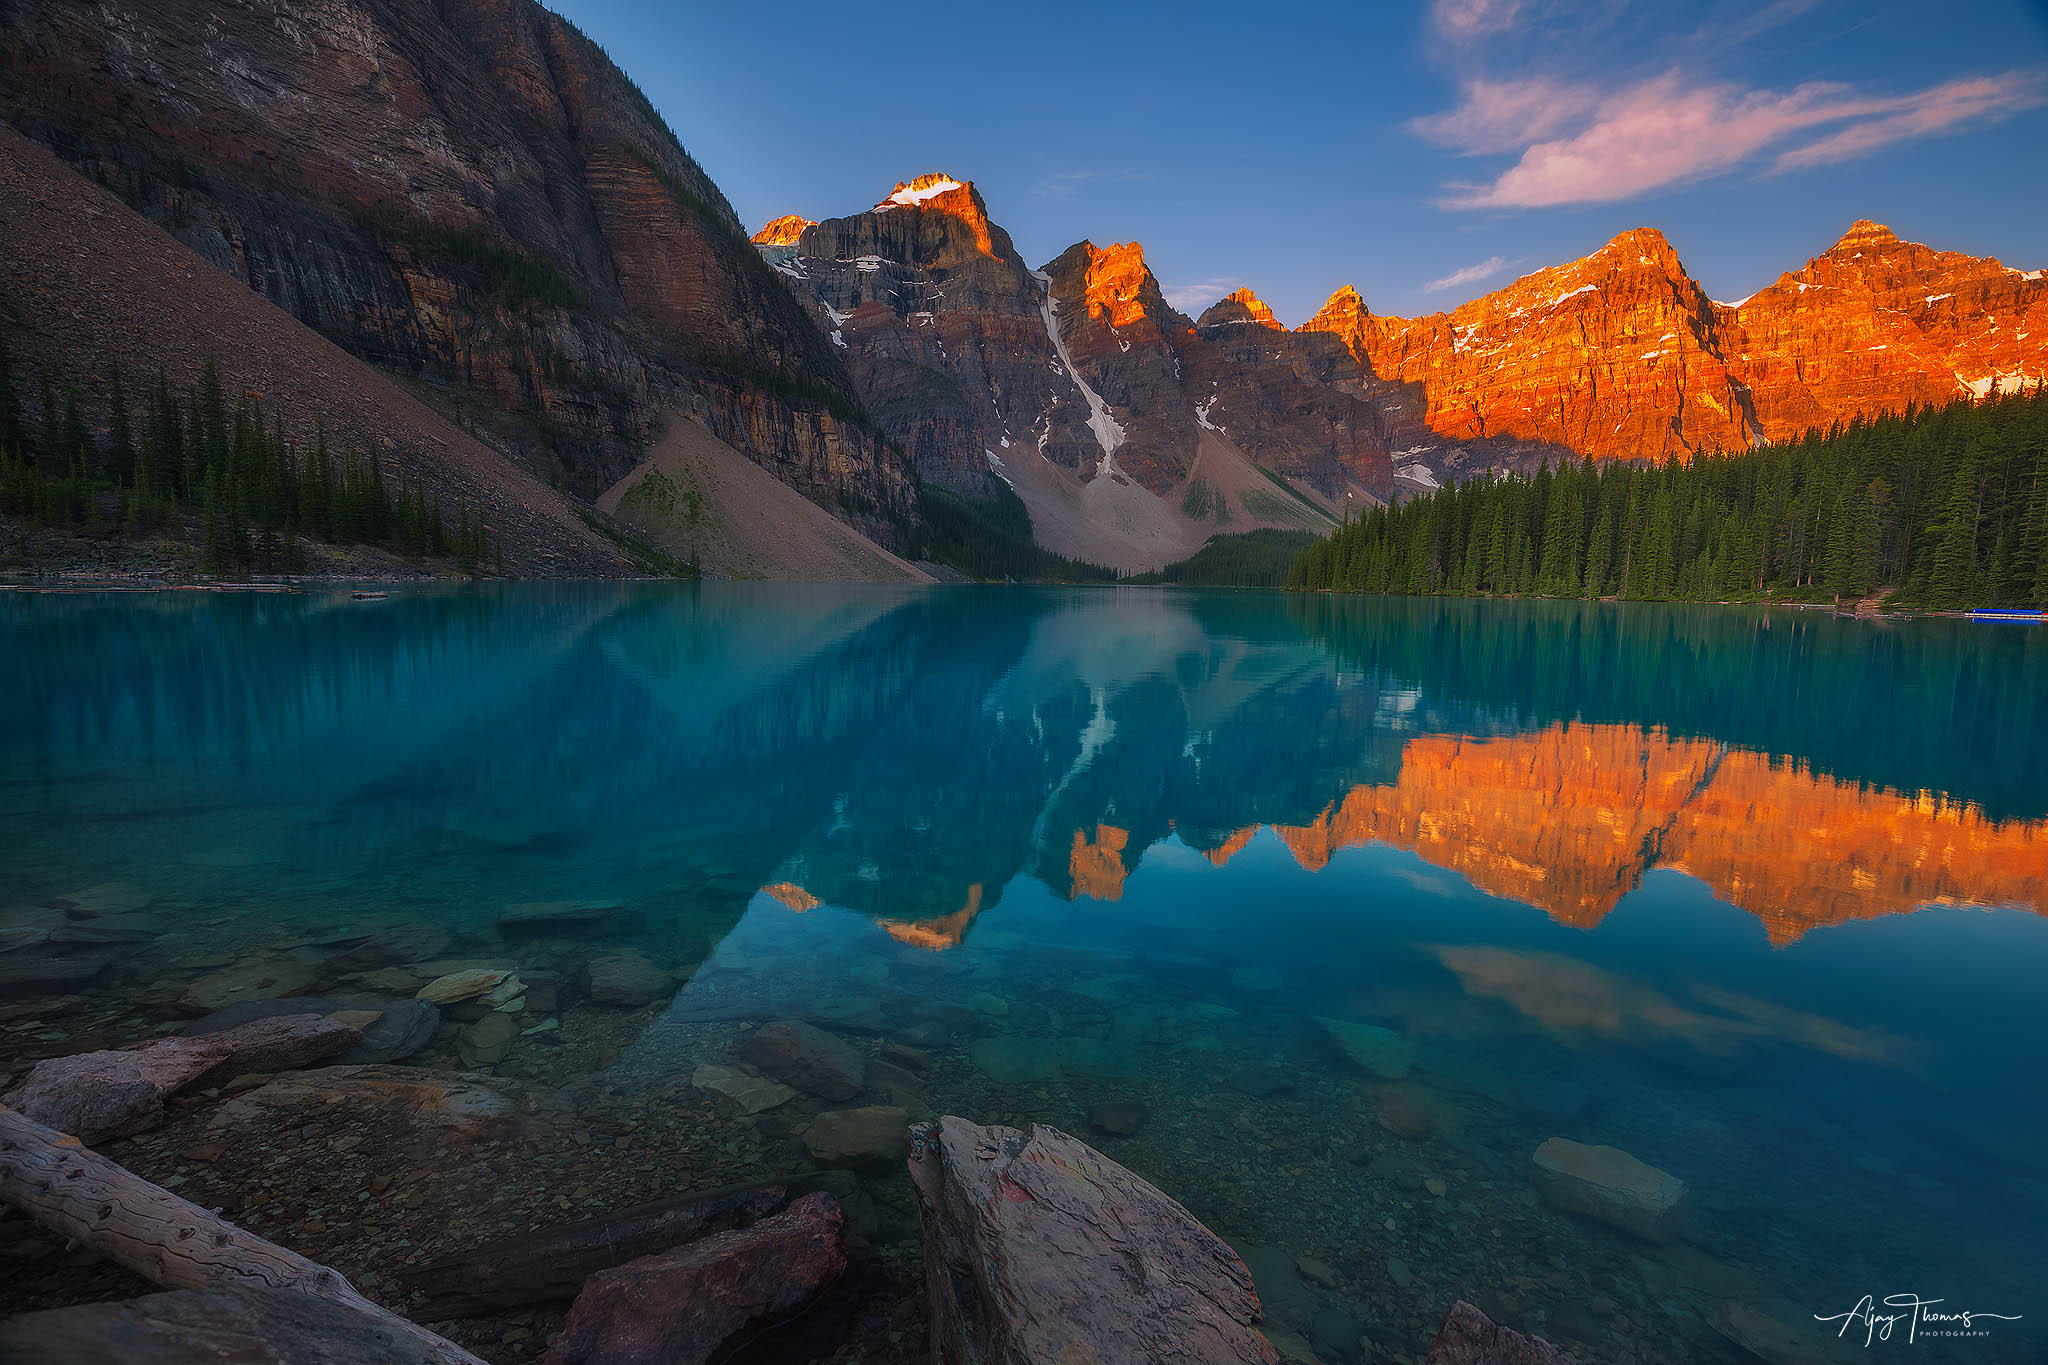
1425 153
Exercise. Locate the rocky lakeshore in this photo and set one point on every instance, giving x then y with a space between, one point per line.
388 1096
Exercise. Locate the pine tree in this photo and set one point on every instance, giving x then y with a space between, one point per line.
12 439
120 440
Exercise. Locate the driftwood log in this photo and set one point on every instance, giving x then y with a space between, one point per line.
93 1201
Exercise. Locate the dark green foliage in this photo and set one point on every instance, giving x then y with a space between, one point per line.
1253 559
254 491
798 387
650 559
1944 507
516 280
989 539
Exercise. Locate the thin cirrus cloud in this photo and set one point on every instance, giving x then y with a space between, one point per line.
1581 146
1191 298
1471 274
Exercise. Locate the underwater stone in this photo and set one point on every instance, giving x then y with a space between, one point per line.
870 1137
808 1058
461 985
1608 1184
1382 1052
1014 1061
626 979
1118 1118
753 1093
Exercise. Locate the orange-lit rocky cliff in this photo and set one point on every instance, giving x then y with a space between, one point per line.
1621 354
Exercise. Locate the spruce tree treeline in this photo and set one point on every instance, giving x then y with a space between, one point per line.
255 491
1946 506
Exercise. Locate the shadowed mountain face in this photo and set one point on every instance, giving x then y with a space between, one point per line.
1130 431
470 194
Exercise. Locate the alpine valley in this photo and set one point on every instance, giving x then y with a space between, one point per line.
466 245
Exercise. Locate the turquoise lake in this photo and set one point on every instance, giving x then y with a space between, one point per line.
1753 895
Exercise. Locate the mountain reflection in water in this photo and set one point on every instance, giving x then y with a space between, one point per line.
1753 894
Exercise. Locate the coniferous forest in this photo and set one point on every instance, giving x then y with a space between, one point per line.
1940 507
162 459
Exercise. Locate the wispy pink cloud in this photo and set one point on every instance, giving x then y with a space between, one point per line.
1471 274
1666 131
1945 107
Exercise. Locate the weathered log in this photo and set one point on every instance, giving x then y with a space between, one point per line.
551 1264
209 1327
75 1192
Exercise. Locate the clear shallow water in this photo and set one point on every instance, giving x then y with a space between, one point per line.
1756 896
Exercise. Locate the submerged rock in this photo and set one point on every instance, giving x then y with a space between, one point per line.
1040 1248
467 984
255 979
807 1057
1015 1060
869 1137
626 979
1608 1184
209 1327
679 1307
30 973
752 1092
395 1028
550 1264
463 1107
1468 1337
532 916
98 1095
1382 1052
1118 1118
485 1042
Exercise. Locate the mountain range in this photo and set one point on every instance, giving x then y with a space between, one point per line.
472 198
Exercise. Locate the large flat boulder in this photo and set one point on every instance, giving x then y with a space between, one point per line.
1607 1184
679 1307
805 1056
99 1095
1469 1337
1039 1248
458 1105
250 1326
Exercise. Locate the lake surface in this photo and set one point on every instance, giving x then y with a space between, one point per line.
1756 896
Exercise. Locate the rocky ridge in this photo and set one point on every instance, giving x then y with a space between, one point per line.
1130 432
1621 354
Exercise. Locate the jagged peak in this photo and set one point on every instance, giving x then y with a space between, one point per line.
1648 245
1864 233
783 231
1344 306
920 189
1240 306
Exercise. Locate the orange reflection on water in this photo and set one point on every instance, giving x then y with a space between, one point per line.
1569 819
936 934
793 896
1097 866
